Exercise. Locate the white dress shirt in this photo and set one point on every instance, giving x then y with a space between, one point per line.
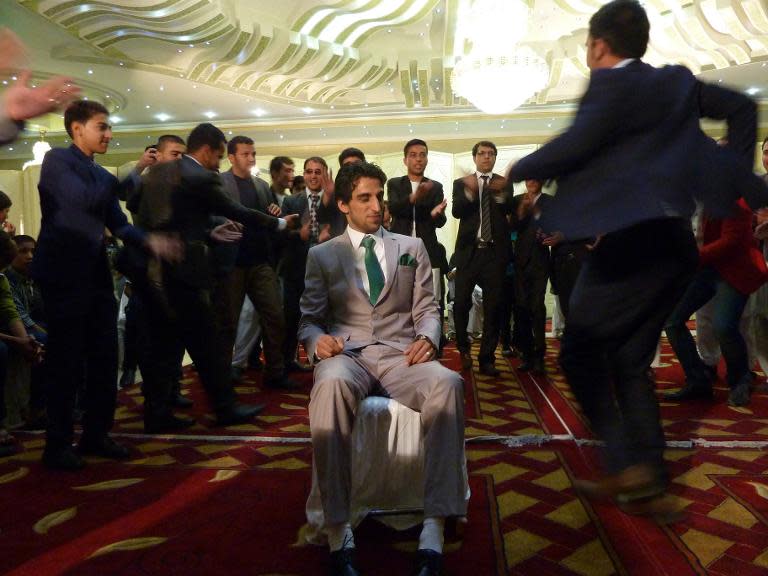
356 238
480 187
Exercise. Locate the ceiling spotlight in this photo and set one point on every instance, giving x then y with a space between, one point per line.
162 117
115 119
307 110
752 90
147 106
210 114
90 71
259 112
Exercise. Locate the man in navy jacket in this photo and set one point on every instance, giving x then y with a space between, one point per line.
629 169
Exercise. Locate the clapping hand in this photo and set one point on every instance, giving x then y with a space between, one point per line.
329 346
439 209
228 232
165 246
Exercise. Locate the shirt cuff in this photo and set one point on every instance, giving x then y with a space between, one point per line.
281 224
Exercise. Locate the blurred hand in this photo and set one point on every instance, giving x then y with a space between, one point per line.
419 351
329 346
9 228
30 348
762 215
274 210
439 209
329 185
165 247
471 185
422 190
553 239
497 185
325 234
293 221
149 158
304 232
228 232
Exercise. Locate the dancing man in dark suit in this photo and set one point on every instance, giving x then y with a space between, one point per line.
629 168
481 255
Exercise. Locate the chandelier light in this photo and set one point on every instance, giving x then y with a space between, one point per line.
498 75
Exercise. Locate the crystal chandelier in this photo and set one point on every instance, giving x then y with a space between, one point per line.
498 75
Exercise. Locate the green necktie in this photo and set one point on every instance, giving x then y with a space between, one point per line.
373 269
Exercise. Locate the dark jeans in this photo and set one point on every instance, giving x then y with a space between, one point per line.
531 312
624 293
728 307
487 271
509 330
82 347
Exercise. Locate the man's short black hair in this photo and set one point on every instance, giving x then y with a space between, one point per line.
317 160
205 134
168 139
232 144
486 144
23 239
8 249
349 174
414 142
82 111
5 201
624 26
351 153
277 163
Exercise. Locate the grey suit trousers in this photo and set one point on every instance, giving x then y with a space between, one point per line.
342 382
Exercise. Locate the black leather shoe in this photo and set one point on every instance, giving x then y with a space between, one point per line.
181 401
297 367
691 391
739 395
466 361
167 423
237 413
343 563
489 370
281 383
127 379
63 459
428 563
104 447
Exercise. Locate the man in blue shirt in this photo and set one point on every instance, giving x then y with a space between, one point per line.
78 199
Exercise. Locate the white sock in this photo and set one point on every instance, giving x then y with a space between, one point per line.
340 536
432 534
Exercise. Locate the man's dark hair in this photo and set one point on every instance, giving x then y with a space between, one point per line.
277 163
351 153
232 144
316 159
765 141
5 201
349 174
23 239
624 26
485 143
8 249
82 111
168 139
414 142
150 147
298 183
205 134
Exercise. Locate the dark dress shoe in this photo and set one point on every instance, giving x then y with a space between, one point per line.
166 423
236 373
297 367
343 563
739 395
104 447
237 413
691 391
181 401
509 352
281 383
466 361
127 379
428 563
489 370
535 365
63 459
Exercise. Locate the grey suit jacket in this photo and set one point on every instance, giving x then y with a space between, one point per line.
334 301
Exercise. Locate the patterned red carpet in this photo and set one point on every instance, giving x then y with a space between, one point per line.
231 501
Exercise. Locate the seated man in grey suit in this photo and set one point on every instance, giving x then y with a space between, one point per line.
370 323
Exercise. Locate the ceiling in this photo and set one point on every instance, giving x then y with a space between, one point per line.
315 74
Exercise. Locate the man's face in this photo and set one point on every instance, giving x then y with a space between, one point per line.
364 210
24 257
170 151
351 160
211 158
765 156
485 159
93 136
243 159
313 172
416 160
4 214
284 177
533 186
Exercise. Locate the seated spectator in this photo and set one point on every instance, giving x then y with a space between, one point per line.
13 336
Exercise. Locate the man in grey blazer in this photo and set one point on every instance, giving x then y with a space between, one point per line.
370 323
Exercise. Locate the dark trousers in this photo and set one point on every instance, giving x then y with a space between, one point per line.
293 288
531 317
624 294
131 335
509 331
82 348
567 260
39 379
3 376
261 285
486 270
728 307
181 313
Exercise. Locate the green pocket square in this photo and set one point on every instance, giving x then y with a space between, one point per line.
408 260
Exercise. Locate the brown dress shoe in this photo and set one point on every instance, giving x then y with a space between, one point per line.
634 483
661 509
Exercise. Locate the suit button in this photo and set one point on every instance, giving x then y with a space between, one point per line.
375 316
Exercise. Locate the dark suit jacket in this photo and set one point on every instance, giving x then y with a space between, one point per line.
530 253
293 261
636 152
398 191
78 199
468 212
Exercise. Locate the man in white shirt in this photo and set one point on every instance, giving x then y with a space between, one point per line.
370 323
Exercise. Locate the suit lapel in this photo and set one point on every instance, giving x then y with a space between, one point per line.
391 253
346 256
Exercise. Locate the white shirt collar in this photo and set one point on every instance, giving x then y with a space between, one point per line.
309 193
624 63
356 237
481 174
